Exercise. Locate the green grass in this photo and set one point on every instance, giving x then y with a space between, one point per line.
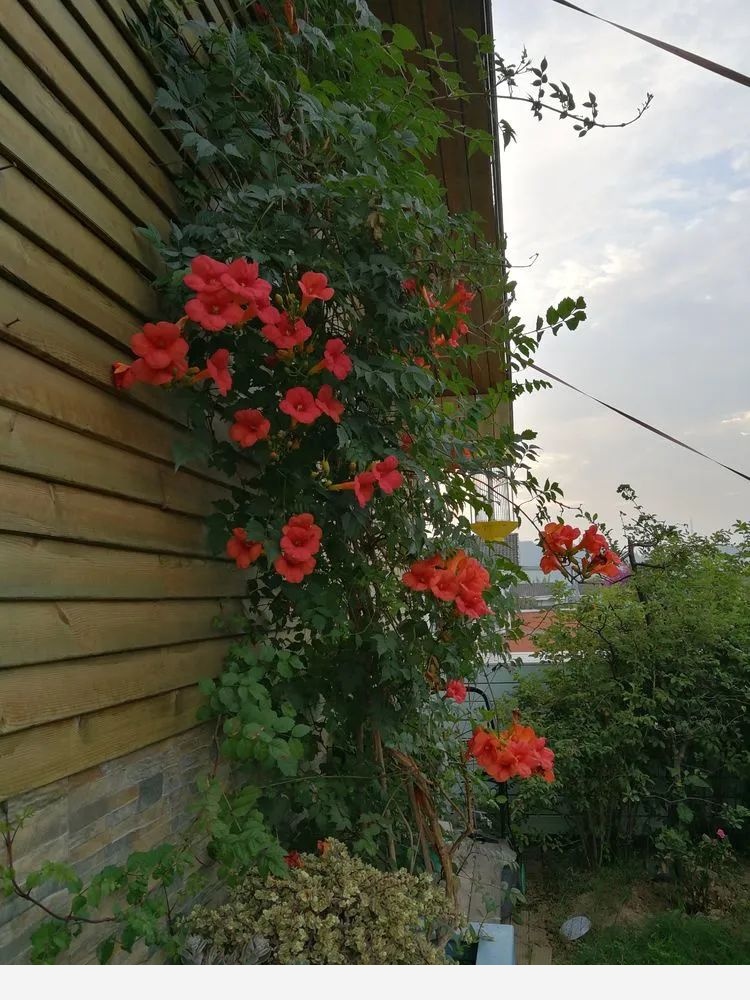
668 939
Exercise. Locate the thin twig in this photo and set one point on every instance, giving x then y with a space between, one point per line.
378 745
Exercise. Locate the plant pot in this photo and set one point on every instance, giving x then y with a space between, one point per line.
496 945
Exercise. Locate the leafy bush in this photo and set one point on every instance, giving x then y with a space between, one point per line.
702 866
330 909
646 697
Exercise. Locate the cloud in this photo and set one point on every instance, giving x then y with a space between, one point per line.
554 459
739 418
651 225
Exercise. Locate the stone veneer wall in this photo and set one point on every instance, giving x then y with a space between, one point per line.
97 818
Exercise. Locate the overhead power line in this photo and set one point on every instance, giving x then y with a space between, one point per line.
725 71
641 423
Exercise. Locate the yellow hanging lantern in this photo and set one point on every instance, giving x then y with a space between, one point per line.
494 531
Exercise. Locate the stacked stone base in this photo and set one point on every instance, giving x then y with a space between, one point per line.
98 818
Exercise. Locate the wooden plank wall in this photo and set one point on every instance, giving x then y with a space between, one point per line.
107 590
108 593
469 181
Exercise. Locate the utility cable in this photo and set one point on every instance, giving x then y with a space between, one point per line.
713 67
641 423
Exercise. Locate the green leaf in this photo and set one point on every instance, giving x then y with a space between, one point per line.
423 379
204 149
206 685
165 99
684 813
193 447
105 949
390 380
404 38
287 765
128 937
49 941
697 781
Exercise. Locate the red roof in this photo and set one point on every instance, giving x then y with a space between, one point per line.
532 623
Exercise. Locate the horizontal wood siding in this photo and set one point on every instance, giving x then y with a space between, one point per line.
47 631
49 451
36 694
468 180
110 599
35 757
112 606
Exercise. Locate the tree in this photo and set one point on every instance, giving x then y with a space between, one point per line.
646 699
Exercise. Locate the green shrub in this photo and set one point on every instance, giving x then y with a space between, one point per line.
702 866
645 701
668 939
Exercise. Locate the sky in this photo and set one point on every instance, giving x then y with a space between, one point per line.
651 224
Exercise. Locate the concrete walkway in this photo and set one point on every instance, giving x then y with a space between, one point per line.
486 871
532 943
533 946
482 869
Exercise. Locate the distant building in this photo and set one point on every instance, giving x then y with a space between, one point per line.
498 679
543 590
